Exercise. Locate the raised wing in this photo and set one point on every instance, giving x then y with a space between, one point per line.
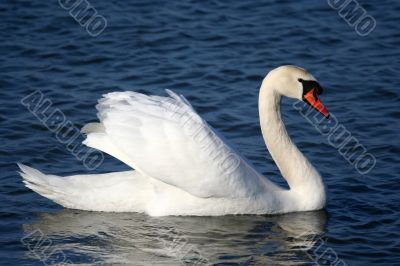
164 138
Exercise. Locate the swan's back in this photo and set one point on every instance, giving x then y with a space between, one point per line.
165 139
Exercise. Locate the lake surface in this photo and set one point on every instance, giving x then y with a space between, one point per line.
216 54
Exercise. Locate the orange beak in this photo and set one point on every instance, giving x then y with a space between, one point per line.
313 100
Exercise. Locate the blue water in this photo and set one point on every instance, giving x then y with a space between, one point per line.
216 54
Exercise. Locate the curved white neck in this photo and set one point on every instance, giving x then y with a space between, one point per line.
302 177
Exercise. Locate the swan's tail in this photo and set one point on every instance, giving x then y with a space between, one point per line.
49 186
118 191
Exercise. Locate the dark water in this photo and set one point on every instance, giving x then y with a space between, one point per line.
216 54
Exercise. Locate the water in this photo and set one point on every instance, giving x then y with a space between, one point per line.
216 54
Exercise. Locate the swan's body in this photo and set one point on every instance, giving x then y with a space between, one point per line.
182 166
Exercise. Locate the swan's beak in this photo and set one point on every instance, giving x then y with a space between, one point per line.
313 100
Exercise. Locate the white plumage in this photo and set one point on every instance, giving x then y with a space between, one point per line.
182 165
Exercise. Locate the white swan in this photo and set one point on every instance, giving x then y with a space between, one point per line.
182 166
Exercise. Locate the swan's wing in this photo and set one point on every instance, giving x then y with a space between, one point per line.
164 138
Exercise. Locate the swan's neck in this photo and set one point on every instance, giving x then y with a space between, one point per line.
301 176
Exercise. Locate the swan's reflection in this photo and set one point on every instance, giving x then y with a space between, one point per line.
131 238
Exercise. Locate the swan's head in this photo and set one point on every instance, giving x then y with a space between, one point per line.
295 82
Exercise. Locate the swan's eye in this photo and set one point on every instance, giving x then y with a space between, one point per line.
310 84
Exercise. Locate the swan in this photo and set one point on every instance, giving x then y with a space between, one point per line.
182 166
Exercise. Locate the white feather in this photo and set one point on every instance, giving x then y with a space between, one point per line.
182 165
